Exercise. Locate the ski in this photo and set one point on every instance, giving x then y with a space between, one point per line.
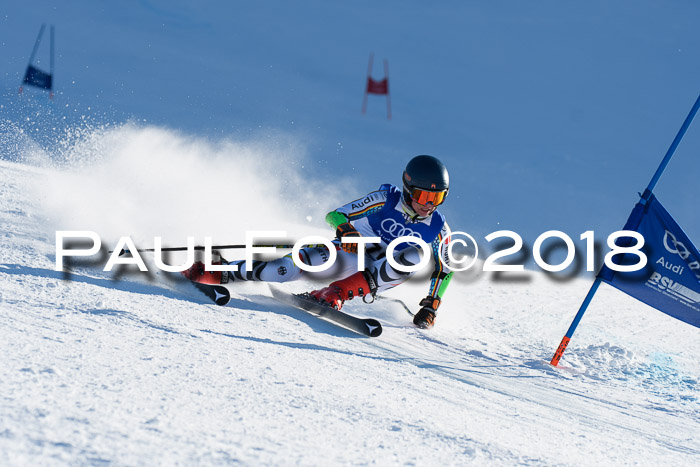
217 293
367 326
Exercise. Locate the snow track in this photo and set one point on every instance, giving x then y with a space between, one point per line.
144 370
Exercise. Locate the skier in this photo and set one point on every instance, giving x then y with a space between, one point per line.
387 213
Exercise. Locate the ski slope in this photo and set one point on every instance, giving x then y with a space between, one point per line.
131 368
174 118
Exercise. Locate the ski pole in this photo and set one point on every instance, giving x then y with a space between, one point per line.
396 300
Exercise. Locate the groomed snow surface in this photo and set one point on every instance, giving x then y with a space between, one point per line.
140 369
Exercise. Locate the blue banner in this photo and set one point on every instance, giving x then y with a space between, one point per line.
37 78
670 282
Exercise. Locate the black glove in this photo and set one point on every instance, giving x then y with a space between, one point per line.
425 318
346 230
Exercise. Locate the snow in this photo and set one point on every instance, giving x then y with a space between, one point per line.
173 119
142 369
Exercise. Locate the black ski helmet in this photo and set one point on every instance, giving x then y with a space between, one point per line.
426 173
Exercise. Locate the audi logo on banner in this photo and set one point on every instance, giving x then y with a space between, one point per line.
677 247
395 229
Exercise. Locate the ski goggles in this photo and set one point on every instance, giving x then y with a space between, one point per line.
424 197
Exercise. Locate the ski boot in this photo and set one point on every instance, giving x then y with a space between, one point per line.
337 292
197 272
